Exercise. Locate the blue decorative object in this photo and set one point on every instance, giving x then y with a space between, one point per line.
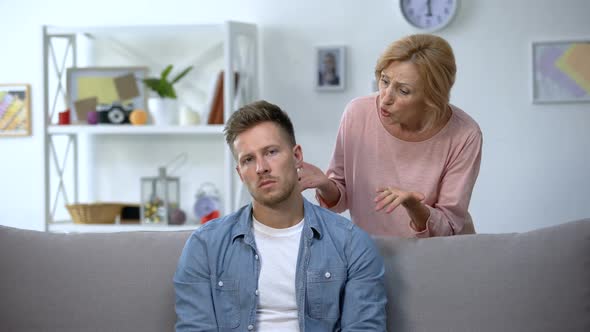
207 200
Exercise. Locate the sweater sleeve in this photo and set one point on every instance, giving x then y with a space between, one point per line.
336 170
449 213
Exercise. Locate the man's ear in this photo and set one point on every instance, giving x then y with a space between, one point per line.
298 155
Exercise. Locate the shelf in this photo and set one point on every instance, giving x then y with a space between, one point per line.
68 227
135 130
76 161
137 29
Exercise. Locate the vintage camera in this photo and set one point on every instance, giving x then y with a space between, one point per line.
115 113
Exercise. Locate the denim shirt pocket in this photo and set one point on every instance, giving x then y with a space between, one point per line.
324 289
227 303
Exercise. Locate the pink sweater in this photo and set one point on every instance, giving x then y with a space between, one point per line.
443 168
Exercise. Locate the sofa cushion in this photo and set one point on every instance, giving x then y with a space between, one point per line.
535 281
88 282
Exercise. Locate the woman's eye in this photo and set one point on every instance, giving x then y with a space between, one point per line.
384 81
404 92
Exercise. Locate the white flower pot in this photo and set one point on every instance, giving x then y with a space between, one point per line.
164 111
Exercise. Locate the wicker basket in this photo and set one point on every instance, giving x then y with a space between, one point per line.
95 213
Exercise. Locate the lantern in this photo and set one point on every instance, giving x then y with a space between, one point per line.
160 196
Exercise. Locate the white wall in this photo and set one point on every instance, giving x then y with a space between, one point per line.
535 164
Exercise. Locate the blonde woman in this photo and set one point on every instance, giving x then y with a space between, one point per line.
406 160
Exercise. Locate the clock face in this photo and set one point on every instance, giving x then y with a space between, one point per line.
428 15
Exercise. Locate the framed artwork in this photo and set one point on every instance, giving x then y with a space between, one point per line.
104 86
15 110
330 68
561 72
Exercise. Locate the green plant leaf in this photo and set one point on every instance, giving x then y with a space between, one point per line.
165 72
168 91
181 75
162 86
154 84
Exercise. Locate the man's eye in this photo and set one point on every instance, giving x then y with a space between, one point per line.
246 160
404 92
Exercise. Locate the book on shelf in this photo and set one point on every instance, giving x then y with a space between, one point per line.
216 109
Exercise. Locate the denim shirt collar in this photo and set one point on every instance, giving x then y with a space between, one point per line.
243 227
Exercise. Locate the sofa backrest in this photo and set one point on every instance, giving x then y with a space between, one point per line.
88 282
535 281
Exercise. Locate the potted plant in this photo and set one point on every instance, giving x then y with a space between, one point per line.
164 107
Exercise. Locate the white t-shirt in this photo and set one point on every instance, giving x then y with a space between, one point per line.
278 250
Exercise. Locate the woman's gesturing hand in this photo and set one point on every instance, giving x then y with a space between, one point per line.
389 198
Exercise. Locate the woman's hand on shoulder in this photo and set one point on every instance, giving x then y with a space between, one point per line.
389 198
310 176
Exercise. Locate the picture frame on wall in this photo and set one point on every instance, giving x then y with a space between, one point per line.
15 110
330 68
560 71
107 85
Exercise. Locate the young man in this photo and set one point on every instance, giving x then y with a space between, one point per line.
279 263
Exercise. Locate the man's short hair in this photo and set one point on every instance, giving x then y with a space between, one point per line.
256 113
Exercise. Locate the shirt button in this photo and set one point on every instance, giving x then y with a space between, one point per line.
250 327
257 292
327 275
256 257
220 284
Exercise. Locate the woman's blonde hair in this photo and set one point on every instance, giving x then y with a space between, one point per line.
435 61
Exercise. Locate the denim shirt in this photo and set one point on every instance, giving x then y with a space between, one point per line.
339 276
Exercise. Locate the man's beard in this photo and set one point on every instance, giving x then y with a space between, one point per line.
275 198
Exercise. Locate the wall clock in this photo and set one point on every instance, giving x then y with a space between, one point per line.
429 15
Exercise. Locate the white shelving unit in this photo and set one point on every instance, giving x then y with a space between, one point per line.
232 44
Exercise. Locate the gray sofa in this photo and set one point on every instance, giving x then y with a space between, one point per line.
535 281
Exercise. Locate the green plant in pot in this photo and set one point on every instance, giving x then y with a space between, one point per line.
164 108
